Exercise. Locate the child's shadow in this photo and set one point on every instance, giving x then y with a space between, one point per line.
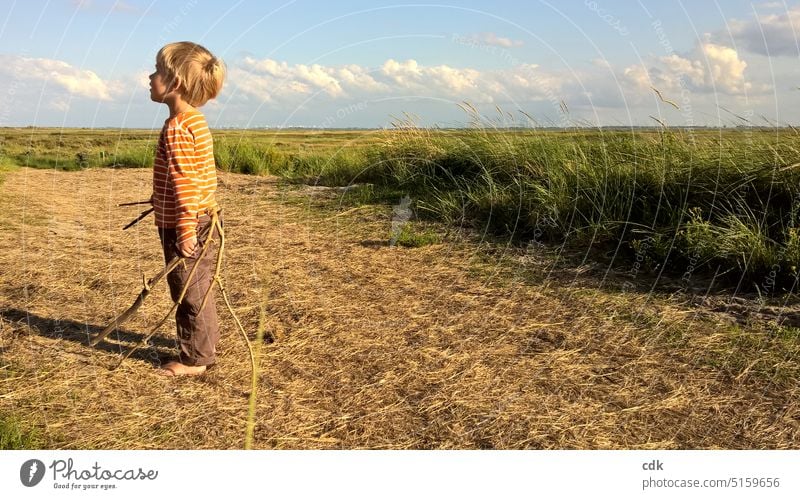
82 333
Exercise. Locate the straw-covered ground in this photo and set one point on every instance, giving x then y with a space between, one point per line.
463 344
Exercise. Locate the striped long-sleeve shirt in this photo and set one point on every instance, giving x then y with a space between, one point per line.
184 174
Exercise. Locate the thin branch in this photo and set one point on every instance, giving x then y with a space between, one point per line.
137 219
177 302
134 203
124 316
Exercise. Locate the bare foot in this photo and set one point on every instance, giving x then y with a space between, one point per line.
175 368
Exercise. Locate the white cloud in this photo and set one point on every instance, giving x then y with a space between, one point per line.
709 68
591 90
75 81
726 69
459 81
142 79
602 63
357 77
317 76
266 66
269 81
772 34
406 74
489 38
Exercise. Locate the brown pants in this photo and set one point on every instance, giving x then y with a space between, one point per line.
198 330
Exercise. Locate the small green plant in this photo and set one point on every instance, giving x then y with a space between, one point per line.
14 437
408 237
791 253
699 236
82 159
357 195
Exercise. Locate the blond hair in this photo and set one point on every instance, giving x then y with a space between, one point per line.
200 72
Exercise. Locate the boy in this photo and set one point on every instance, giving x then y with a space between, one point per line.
184 184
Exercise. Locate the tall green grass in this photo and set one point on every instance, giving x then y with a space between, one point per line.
333 167
71 150
717 201
673 199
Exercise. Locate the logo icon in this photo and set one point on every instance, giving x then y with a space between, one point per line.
31 472
401 214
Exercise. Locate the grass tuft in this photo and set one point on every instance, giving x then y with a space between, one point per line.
14 436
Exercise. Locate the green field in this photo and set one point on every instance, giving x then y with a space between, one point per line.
723 202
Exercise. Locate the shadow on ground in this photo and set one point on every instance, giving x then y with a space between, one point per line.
81 333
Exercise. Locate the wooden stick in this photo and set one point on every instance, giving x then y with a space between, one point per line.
218 280
137 219
215 224
174 305
134 203
248 439
124 316
207 241
228 303
218 266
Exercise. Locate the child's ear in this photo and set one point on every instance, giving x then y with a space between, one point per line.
176 83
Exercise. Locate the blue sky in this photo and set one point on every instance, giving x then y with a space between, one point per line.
341 64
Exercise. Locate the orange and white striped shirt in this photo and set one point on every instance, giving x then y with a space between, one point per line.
184 173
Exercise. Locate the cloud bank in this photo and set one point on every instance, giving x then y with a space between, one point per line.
591 90
63 77
770 35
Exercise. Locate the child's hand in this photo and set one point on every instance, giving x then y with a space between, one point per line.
186 248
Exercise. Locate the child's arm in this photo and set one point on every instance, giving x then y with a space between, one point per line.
182 172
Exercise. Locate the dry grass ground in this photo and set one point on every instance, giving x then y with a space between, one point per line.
375 346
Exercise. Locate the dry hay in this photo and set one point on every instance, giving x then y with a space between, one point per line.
375 346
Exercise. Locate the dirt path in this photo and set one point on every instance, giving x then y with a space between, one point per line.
376 346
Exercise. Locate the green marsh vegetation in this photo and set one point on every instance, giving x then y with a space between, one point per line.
711 200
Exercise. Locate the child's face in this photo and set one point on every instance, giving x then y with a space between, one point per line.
158 85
